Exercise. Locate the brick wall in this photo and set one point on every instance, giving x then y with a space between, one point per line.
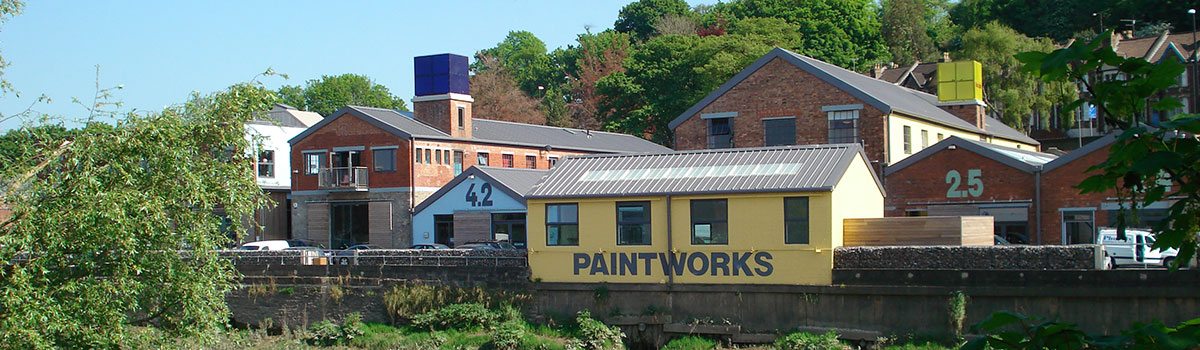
925 182
435 174
1058 192
443 114
779 89
345 131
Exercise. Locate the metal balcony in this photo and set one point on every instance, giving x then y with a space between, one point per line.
347 178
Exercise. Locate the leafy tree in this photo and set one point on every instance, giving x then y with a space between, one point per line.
1144 165
497 96
842 32
329 93
639 18
667 75
92 245
1011 94
905 31
598 56
524 56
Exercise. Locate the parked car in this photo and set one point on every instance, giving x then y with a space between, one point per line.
429 246
487 245
997 240
267 245
1135 249
350 254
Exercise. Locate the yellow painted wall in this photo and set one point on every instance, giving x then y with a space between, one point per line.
756 228
897 122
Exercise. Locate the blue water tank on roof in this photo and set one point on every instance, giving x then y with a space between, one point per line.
442 74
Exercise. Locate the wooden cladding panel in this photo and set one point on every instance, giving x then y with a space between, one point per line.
379 223
318 222
922 230
470 226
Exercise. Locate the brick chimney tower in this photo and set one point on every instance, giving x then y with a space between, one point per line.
443 89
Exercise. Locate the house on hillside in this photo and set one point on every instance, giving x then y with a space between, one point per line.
785 98
273 129
359 172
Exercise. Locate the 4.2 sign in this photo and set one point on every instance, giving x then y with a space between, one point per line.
473 198
974 186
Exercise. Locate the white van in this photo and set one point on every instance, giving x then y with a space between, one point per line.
266 245
1135 249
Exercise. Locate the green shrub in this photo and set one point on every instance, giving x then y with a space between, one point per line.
808 341
594 335
690 343
327 333
459 316
404 302
508 336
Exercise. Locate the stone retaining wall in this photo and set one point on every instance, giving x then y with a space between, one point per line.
967 257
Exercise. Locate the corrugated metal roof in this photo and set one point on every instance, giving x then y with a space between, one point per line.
880 94
737 170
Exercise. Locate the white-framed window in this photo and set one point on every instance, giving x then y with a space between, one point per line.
266 163
907 139
924 139
313 161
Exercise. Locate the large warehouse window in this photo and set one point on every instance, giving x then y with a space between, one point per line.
779 131
795 220
633 223
843 126
562 224
720 133
710 221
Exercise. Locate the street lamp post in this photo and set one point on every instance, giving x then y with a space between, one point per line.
1192 83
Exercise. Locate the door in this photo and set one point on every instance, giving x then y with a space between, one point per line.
509 227
443 229
348 225
1079 226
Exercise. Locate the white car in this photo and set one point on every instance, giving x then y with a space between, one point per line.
266 245
1135 249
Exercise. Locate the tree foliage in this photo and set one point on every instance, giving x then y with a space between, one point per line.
92 246
1009 330
1011 94
331 92
639 18
842 32
905 31
497 96
1144 165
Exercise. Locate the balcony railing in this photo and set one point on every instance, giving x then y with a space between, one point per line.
347 178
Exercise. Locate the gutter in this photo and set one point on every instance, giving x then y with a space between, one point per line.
670 244
1037 203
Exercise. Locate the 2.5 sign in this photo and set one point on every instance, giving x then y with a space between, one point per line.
974 187
485 190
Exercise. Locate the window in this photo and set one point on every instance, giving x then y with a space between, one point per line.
720 133
531 162
458 162
940 136
506 160
553 161
427 157
1182 79
924 139
779 131
313 163
483 159
562 224
266 164
710 223
633 223
437 156
795 220
418 157
462 117
446 157
843 126
907 140
385 159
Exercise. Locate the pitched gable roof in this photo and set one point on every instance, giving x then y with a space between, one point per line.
513 182
734 170
1027 161
1096 145
882 95
402 123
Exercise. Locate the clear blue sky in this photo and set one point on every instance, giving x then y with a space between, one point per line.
160 51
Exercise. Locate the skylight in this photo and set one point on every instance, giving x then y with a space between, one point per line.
692 172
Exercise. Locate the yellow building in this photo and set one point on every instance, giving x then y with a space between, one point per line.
738 216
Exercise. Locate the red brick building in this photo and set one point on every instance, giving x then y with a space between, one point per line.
1031 195
785 98
359 172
